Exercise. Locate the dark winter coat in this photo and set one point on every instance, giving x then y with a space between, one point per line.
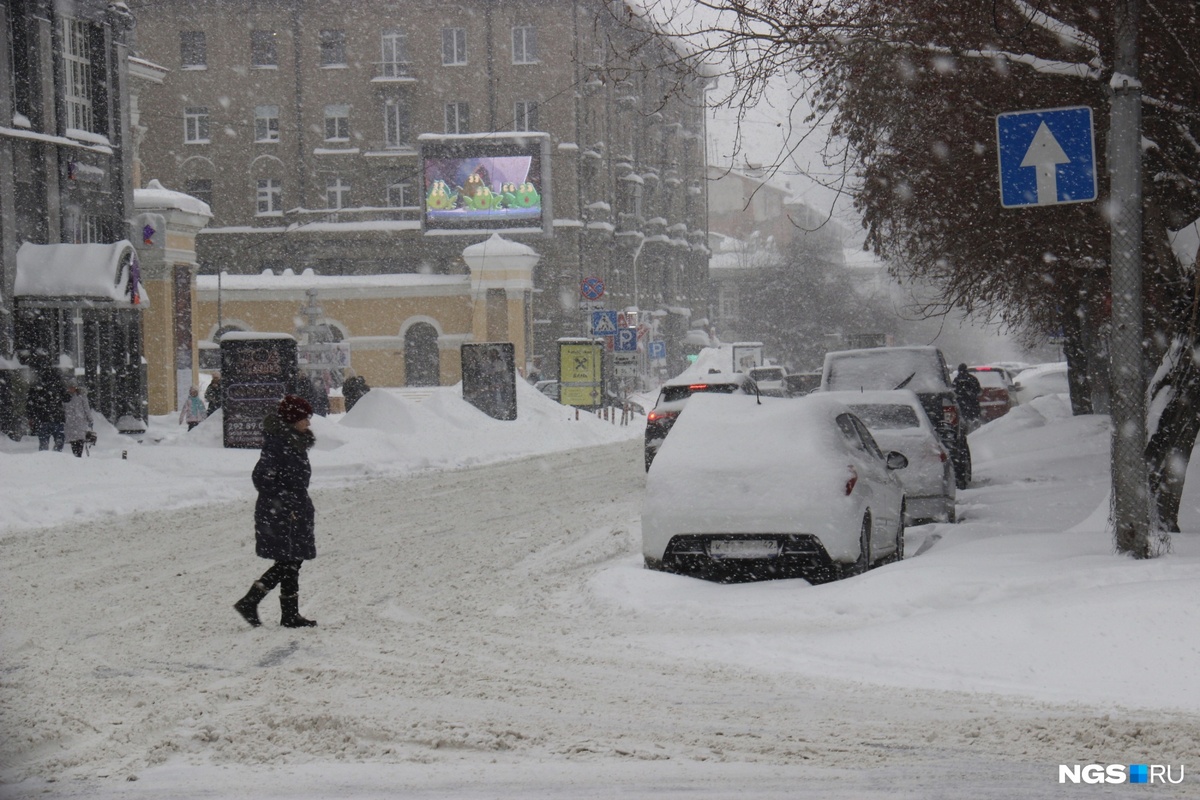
212 396
354 389
966 391
45 402
284 517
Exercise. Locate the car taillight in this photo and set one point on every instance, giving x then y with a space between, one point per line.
655 416
852 480
950 412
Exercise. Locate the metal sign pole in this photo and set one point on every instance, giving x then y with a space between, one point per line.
1130 508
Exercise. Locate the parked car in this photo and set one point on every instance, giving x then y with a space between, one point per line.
548 388
769 381
898 422
750 490
801 383
674 395
1042 379
920 369
996 394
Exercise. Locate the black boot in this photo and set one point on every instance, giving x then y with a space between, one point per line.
248 605
290 605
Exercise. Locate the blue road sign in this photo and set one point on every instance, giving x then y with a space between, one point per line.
1047 157
626 341
591 288
657 350
604 323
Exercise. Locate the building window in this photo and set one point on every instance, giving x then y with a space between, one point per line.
394 61
458 119
266 123
337 123
263 50
525 115
77 71
193 50
524 45
83 228
337 193
270 192
195 125
333 48
396 123
201 189
454 46
401 193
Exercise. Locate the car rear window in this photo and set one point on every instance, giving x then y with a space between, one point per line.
889 417
991 380
672 393
887 369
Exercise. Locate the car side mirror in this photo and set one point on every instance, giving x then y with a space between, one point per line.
896 460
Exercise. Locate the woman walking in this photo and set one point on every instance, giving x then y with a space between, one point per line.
77 416
283 516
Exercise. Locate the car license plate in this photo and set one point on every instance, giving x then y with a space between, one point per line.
743 548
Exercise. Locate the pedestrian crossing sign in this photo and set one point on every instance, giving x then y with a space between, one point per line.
604 323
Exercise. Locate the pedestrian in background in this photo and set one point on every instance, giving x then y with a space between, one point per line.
193 411
77 415
284 518
354 387
212 395
45 406
966 391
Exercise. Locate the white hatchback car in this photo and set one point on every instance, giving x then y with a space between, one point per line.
750 489
898 422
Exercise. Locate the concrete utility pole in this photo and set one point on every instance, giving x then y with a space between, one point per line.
1130 490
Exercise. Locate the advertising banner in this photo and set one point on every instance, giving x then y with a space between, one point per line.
489 378
256 371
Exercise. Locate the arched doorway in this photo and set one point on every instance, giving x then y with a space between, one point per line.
421 365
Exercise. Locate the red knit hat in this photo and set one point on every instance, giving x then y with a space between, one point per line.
292 409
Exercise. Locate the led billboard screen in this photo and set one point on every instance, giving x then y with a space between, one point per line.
485 182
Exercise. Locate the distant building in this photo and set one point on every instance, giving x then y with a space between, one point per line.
303 125
70 297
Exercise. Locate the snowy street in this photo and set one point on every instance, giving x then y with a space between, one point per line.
489 632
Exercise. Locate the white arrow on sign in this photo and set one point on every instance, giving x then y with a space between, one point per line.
1045 153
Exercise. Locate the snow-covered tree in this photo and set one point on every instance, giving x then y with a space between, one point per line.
912 88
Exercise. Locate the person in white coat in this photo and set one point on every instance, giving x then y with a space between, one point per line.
194 411
78 418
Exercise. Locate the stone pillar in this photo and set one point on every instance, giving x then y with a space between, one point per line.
507 266
164 231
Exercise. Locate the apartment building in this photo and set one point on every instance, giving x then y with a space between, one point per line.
70 297
313 130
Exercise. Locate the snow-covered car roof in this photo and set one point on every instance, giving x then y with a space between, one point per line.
731 454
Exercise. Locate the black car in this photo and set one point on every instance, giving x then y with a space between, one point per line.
673 396
921 370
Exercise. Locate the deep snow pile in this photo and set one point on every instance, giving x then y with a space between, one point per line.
386 434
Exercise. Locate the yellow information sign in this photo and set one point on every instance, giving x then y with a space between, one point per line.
580 372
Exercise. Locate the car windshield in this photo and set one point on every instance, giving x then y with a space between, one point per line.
887 417
989 379
673 393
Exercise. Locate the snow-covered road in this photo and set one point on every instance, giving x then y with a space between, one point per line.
468 647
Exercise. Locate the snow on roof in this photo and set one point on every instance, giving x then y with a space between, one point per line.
155 195
76 270
497 246
241 336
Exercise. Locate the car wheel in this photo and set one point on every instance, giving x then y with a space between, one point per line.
864 549
649 458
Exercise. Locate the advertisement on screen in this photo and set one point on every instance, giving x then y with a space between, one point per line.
485 182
